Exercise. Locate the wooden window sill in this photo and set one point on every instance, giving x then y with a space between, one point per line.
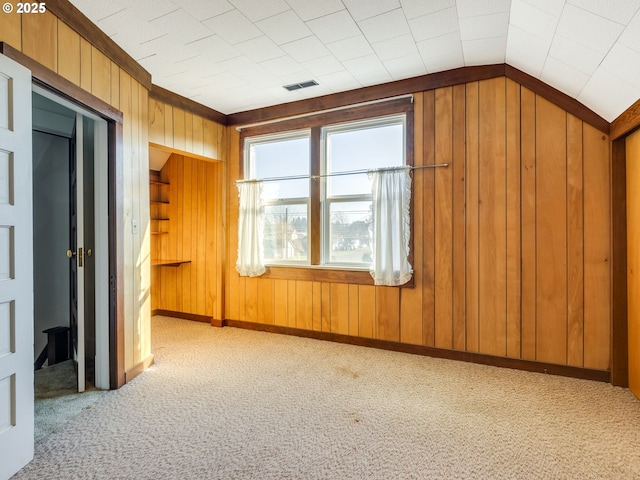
323 274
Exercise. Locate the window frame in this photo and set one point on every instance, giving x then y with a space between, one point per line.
314 270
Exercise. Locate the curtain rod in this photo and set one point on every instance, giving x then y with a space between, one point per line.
320 112
338 174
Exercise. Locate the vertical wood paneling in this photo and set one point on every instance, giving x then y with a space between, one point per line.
340 314
428 235
387 313
85 64
514 259
354 310
291 307
197 134
411 298
115 92
528 280
443 220
69 62
265 301
179 135
597 249
366 311
100 75
40 38
458 218
632 150
317 306
304 305
551 232
472 203
156 122
492 217
280 303
11 30
325 309
575 244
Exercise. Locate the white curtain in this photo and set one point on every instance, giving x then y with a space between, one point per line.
391 189
250 261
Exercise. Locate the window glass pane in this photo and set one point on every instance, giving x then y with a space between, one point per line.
281 158
349 232
285 232
364 148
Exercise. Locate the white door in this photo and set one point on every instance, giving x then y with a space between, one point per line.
16 269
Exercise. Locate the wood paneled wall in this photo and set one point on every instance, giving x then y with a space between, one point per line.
184 132
511 241
195 233
51 42
633 258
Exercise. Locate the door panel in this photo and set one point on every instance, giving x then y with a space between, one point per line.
16 269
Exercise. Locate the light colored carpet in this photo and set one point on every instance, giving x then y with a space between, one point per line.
233 404
57 400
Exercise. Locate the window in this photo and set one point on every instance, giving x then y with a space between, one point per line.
323 215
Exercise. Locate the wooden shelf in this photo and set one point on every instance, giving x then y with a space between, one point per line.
162 184
168 263
158 202
159 233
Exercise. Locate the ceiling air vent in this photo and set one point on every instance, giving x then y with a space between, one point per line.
298 86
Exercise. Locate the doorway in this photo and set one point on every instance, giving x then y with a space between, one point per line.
71 251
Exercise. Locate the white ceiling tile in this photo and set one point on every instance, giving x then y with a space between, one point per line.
631 34
624 63
167 48
580 25
256 10
405 67
385 26
554 7
485 51
233 27
307 10
98 9
260 49
182 26
575 55
435 24
350 48
370 63
418 8
362 9
620 11
620 95
124 23
441 53
150 9
224 80
396 47
533 20
485 26
284 66
526 52
564 77
305 49
476 8
323 66
214 49
339 81
203 66
374 77
204 9
284 27
334 27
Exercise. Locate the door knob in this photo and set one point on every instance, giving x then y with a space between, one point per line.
71 253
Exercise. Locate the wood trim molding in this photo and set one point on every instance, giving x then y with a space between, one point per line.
137 369
63 87
417 84
185 316
627 121
619 317
74 18
526 365
175 100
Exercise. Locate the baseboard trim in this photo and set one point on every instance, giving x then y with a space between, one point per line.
514 363
185 316
137 369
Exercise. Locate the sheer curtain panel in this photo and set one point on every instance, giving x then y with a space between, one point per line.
250 261
391 191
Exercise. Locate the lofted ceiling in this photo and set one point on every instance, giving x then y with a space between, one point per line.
236 55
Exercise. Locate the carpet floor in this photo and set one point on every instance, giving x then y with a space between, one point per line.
234 404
